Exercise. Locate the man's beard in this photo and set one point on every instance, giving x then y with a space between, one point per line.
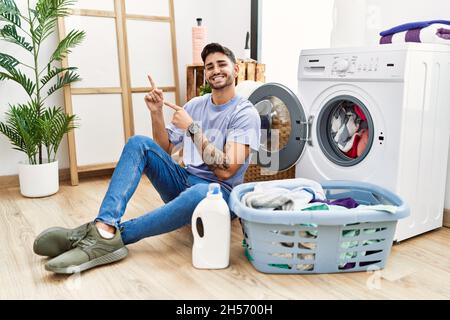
227 83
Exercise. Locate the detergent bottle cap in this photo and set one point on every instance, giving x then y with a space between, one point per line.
214 189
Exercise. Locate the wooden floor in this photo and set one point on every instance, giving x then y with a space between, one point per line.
160 267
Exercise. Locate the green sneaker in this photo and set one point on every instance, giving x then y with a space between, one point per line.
54 241
91 251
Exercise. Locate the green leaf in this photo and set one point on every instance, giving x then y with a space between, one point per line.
45 125
54 124
42 31
9 33
20 78
8 62
67 78
204 89
9 12
12 135
73 39
54 72
52 9
21 128
47 13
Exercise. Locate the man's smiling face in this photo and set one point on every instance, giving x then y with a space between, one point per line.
220 71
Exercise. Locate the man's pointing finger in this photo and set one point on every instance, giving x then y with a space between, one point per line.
173 106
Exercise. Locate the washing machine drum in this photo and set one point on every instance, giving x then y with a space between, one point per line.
283 123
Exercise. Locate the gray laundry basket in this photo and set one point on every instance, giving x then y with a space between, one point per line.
321 241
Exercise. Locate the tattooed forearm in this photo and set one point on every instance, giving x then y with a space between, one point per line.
214 158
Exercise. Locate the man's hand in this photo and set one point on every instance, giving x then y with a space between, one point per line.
154 99
181 119
224 164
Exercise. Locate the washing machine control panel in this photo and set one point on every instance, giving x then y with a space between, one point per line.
349 65
341 65
364 65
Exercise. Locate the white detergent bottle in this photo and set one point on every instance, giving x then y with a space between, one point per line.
211 227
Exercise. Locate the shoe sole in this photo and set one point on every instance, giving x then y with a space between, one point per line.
106 259
39 238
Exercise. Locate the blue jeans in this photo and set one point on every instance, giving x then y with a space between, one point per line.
180 191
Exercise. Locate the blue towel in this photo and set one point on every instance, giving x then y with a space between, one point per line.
412 25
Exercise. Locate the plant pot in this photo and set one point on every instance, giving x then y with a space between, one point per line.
38 180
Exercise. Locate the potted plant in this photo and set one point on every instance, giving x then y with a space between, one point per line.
204 89
32 127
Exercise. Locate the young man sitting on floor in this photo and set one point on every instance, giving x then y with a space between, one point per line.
217 132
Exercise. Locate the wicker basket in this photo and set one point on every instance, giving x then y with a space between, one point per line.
256 173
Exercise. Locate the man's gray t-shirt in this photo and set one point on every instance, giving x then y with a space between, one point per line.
237 121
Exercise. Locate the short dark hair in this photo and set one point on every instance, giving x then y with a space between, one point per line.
216 47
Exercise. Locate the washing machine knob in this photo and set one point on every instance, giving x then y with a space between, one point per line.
342 65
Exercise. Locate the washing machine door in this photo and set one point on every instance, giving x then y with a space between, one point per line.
284 128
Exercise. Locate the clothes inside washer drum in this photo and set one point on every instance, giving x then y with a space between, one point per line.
349 129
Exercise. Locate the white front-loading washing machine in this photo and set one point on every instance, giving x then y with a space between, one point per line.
391 102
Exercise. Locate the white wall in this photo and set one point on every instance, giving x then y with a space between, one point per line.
227 23
359 22
287 27
231 23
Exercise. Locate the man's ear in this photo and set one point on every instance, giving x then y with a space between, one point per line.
236 70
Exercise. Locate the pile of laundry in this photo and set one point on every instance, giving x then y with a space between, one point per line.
349 129
433 31
300 195
304 195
